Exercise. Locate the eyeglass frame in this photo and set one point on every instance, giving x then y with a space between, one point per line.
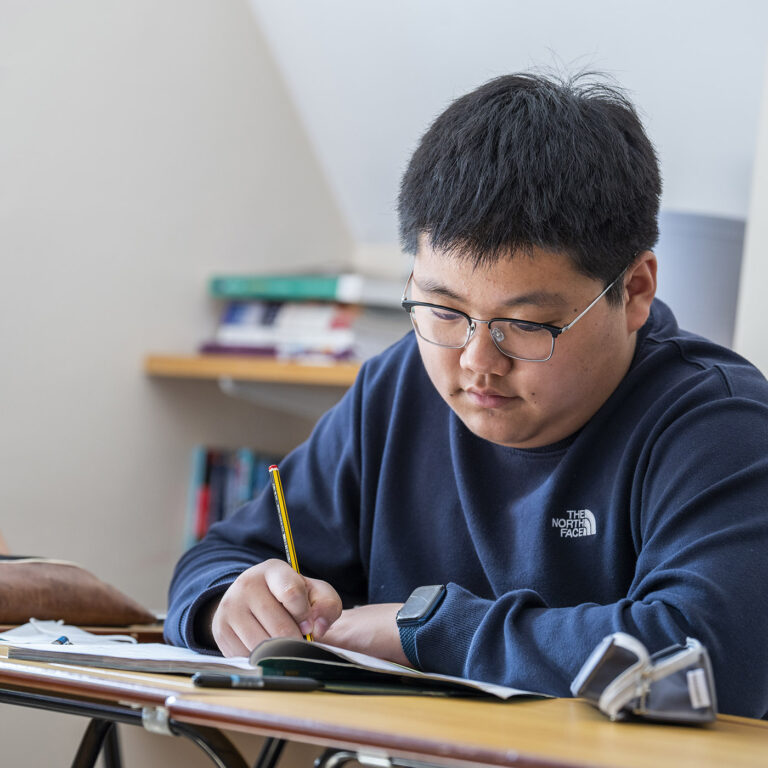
408 304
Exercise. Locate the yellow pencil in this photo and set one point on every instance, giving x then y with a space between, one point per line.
285 523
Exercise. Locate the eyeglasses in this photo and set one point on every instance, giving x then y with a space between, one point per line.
519 339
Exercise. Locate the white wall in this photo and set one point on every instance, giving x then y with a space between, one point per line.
368 78
751 340
143 146
699 263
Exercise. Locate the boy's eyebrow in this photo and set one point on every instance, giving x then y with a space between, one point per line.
537 298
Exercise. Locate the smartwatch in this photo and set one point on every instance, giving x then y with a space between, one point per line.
416 611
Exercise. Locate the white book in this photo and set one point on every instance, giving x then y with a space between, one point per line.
337 669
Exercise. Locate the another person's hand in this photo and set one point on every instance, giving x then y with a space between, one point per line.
370 629
272 600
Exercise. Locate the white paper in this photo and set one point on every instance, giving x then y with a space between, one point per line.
153 652
289 647
39 631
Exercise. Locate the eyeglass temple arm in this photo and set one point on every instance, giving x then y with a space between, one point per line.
590 305
405 290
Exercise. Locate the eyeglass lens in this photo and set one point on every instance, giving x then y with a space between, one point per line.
450 329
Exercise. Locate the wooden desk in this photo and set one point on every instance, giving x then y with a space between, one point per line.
558 732
554 732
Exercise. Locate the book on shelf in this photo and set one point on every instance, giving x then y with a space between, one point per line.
335 668
300 330
197 503
221 480
345 288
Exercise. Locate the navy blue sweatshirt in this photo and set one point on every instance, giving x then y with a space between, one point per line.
652 519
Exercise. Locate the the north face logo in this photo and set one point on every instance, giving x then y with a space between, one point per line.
580 522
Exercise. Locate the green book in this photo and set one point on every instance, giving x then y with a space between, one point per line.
344 288
351 672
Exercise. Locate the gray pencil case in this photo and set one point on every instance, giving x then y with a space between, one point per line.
621 678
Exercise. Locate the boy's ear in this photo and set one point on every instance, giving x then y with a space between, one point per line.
639 290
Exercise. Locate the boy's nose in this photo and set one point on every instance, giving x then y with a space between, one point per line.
481 355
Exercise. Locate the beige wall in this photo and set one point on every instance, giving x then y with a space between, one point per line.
143 146
750 336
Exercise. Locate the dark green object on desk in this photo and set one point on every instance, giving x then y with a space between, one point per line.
255 682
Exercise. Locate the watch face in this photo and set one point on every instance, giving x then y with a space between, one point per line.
420 604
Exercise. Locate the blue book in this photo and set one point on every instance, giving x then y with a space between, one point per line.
238 480
261 477
245 460
218 486
195 487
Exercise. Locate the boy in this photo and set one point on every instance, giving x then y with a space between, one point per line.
547 452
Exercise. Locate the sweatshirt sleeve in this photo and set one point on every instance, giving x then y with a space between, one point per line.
322 489
700 516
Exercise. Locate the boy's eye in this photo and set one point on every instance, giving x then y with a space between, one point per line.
445 314
528 327
519 326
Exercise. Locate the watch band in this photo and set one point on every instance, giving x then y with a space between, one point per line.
415 612
408 641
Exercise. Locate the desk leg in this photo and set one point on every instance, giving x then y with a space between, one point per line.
270 753
91 743
112 758
104 716
215 744
335 758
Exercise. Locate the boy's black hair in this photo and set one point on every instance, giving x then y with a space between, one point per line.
527 160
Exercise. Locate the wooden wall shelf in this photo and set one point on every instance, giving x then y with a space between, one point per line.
242 368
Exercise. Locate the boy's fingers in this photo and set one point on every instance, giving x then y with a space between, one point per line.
290 590
325 605
272 600
276 621
250 631
227 638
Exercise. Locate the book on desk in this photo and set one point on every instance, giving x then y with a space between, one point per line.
338 669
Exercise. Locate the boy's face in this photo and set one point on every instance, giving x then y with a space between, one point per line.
512 402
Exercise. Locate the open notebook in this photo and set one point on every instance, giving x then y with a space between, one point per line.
338 669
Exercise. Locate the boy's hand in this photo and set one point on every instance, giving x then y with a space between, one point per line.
272 600
370 629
